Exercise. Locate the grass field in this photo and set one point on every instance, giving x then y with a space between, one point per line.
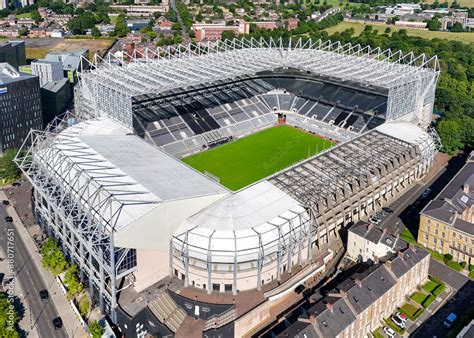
38 48
249 159
463 3
359 27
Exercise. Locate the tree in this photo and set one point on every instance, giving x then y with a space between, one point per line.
8 318
53 258
8 168
227 35
36 16
457 27
96 32
450 133
74 286
434 24
95 329
84 305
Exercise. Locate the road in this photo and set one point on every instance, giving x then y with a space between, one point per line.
42 313
459 303
184 32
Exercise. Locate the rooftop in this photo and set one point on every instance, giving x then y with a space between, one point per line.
453 204
8 74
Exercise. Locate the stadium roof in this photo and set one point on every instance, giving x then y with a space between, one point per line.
156 71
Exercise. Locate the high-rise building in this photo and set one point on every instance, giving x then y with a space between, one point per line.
47 71
56 97
20 106
13 52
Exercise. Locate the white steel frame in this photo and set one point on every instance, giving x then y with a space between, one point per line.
113 81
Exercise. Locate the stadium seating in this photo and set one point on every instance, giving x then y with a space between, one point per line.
187 123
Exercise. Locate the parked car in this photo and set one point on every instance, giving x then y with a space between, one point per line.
426 193
299 289
400 323
374 220
8 219
387 209
44 295
449 321
401 316
6 202
16 184
388 331
57 323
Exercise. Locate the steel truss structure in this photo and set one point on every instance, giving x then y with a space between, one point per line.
111 83
79 199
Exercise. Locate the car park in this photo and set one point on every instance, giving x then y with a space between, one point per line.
388 331
57 323
400 323
44 295
8 219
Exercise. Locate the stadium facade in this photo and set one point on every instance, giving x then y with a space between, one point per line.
109 185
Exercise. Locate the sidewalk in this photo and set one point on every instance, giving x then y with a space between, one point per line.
25 322
71 323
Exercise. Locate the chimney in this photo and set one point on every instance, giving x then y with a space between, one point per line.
376 260
400 253
384 231
343 293
388 264
312 319
330 307
465 188
358 282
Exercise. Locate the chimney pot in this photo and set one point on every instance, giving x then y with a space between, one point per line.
330 307
358 282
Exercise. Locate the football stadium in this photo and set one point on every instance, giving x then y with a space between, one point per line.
205 182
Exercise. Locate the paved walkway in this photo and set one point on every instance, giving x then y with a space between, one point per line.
70 321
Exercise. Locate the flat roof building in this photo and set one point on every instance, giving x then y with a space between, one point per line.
20 105
47 71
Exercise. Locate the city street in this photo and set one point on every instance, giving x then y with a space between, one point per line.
42 313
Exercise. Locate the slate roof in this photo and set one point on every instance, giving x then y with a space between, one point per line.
376 235
454 199
299 329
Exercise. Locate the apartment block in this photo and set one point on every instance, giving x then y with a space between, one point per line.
13 52
213 31
47 71
447 222
356 306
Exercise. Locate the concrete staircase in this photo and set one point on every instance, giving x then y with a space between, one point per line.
219 321
167 312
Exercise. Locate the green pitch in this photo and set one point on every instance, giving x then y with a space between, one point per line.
249 159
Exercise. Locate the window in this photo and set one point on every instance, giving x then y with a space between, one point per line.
176 272
228 287
182 276
216 287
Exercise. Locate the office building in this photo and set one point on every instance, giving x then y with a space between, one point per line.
47 71
20 106
13 52
56 98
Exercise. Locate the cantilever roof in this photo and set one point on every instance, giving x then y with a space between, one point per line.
156 71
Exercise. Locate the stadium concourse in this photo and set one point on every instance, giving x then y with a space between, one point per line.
158 242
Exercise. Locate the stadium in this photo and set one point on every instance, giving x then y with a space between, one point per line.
226 168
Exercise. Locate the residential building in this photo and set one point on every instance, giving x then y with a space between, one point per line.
11 32
411 24
447 222
20 106
356 306
13 52
293 23
213 31
4 4
143 11
368 242
71 61
403 9
56 98
447 22
47 71
266 24
166 25
467 331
